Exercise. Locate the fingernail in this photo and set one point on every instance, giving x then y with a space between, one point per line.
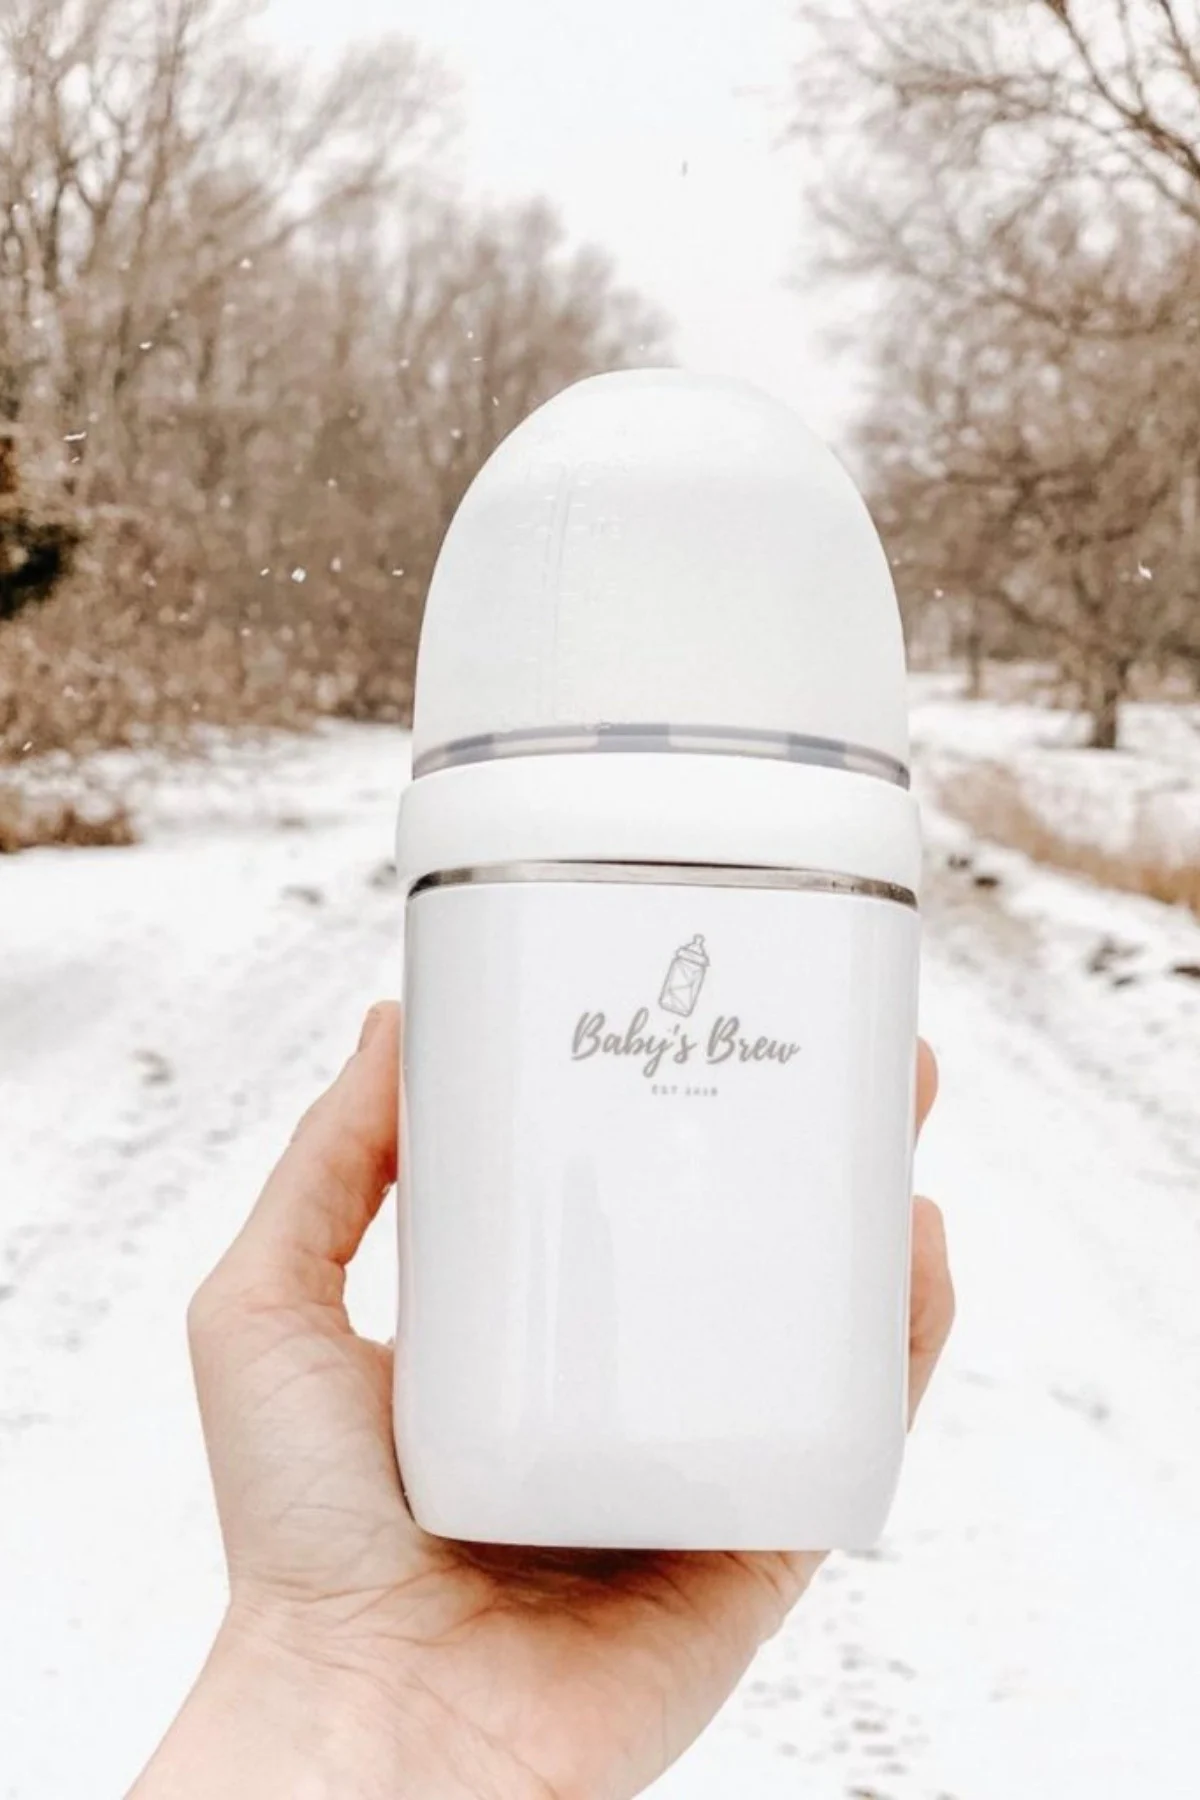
370 1026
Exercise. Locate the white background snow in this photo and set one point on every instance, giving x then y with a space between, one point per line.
1030 1629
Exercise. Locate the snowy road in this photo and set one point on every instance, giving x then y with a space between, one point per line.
1031 1628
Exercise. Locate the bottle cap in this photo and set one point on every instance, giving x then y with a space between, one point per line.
658 561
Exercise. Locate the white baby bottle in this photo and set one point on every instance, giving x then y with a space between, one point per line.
661 857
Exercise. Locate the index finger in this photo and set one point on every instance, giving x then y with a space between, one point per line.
330 1182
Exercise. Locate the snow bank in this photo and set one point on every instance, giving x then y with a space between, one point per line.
1140 802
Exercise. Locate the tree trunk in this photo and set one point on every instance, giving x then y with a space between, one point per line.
974 660
1105 694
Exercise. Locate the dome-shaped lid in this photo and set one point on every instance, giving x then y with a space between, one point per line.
659 560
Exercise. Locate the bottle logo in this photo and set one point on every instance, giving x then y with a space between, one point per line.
697 1048
685 979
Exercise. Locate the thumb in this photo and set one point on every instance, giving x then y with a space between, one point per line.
329 1184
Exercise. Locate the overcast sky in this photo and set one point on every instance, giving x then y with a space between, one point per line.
655 127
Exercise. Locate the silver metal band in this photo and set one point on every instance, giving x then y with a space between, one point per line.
688 740
806 881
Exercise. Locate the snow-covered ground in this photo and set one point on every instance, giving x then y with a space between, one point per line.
1141 800
1030 1629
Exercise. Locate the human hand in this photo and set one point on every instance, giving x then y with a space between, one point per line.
359 1656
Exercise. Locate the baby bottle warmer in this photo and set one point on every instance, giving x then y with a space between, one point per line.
660 995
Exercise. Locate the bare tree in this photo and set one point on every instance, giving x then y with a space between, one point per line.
1033 209
1103 93
256 347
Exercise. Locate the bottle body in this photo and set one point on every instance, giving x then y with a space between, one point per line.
655 1205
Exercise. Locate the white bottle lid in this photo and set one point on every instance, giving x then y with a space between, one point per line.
657 560
674 567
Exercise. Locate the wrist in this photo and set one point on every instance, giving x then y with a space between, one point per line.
372 1727
285 1714
327 1726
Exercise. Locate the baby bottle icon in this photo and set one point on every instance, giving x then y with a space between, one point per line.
685 978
